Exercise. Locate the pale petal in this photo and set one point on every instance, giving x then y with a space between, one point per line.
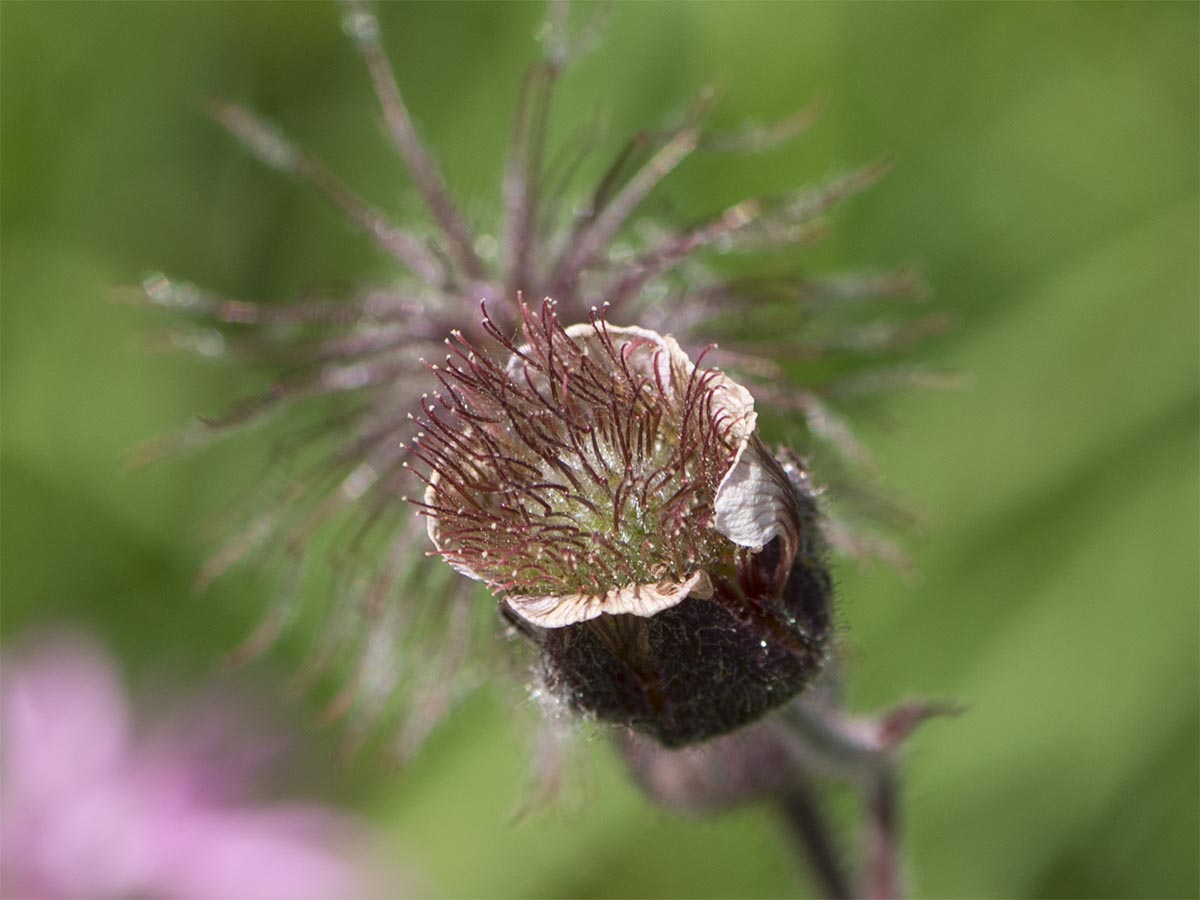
586 329
754 501
433 529
636 599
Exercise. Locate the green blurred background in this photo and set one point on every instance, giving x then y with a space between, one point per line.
1046 182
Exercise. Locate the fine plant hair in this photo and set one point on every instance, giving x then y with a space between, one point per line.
332 524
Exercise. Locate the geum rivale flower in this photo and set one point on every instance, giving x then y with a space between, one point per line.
618 500
800 340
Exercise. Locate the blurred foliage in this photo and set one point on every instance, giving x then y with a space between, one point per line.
1045 181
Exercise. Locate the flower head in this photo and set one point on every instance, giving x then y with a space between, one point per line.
618 500
631 484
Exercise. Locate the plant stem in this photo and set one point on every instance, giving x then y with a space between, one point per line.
811 829
880 843
862 758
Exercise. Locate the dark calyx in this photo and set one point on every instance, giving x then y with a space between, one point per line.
704 667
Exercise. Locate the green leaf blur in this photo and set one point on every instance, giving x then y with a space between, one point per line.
1045 181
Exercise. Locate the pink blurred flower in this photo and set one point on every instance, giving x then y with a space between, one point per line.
91 808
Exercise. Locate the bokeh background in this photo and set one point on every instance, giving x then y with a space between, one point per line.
1045 182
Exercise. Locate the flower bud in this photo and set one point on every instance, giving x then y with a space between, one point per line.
617 499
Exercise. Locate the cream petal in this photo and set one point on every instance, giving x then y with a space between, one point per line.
636 599
586 329
434 532
754 502
673 369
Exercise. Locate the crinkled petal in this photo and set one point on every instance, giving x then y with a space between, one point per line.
635 599
754 501
433 529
